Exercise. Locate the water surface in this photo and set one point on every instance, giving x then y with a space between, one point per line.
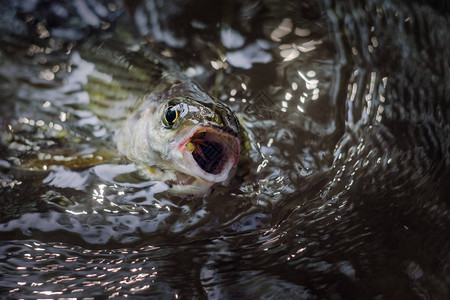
347 194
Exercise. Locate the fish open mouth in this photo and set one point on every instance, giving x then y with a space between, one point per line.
209 153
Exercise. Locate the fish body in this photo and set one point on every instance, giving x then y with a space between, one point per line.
163 122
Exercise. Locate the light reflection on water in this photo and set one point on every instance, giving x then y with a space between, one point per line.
78 271
345 109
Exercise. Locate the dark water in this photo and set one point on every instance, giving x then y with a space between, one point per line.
346 104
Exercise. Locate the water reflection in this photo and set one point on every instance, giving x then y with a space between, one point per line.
82 272
345 194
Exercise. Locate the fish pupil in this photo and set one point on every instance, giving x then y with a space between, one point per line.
171 115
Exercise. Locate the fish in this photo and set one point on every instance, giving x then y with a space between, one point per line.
162 121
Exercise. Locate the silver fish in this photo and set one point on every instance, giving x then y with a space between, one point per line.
163 122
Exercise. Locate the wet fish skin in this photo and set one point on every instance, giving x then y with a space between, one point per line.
130 89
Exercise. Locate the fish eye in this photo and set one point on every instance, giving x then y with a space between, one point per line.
171 115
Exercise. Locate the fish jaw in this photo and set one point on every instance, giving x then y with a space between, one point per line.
208 154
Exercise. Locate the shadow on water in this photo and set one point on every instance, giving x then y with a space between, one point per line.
346 192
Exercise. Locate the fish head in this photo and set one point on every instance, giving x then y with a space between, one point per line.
198 138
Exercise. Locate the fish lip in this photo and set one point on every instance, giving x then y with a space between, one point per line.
185 161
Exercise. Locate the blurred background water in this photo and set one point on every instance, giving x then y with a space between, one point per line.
346 104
